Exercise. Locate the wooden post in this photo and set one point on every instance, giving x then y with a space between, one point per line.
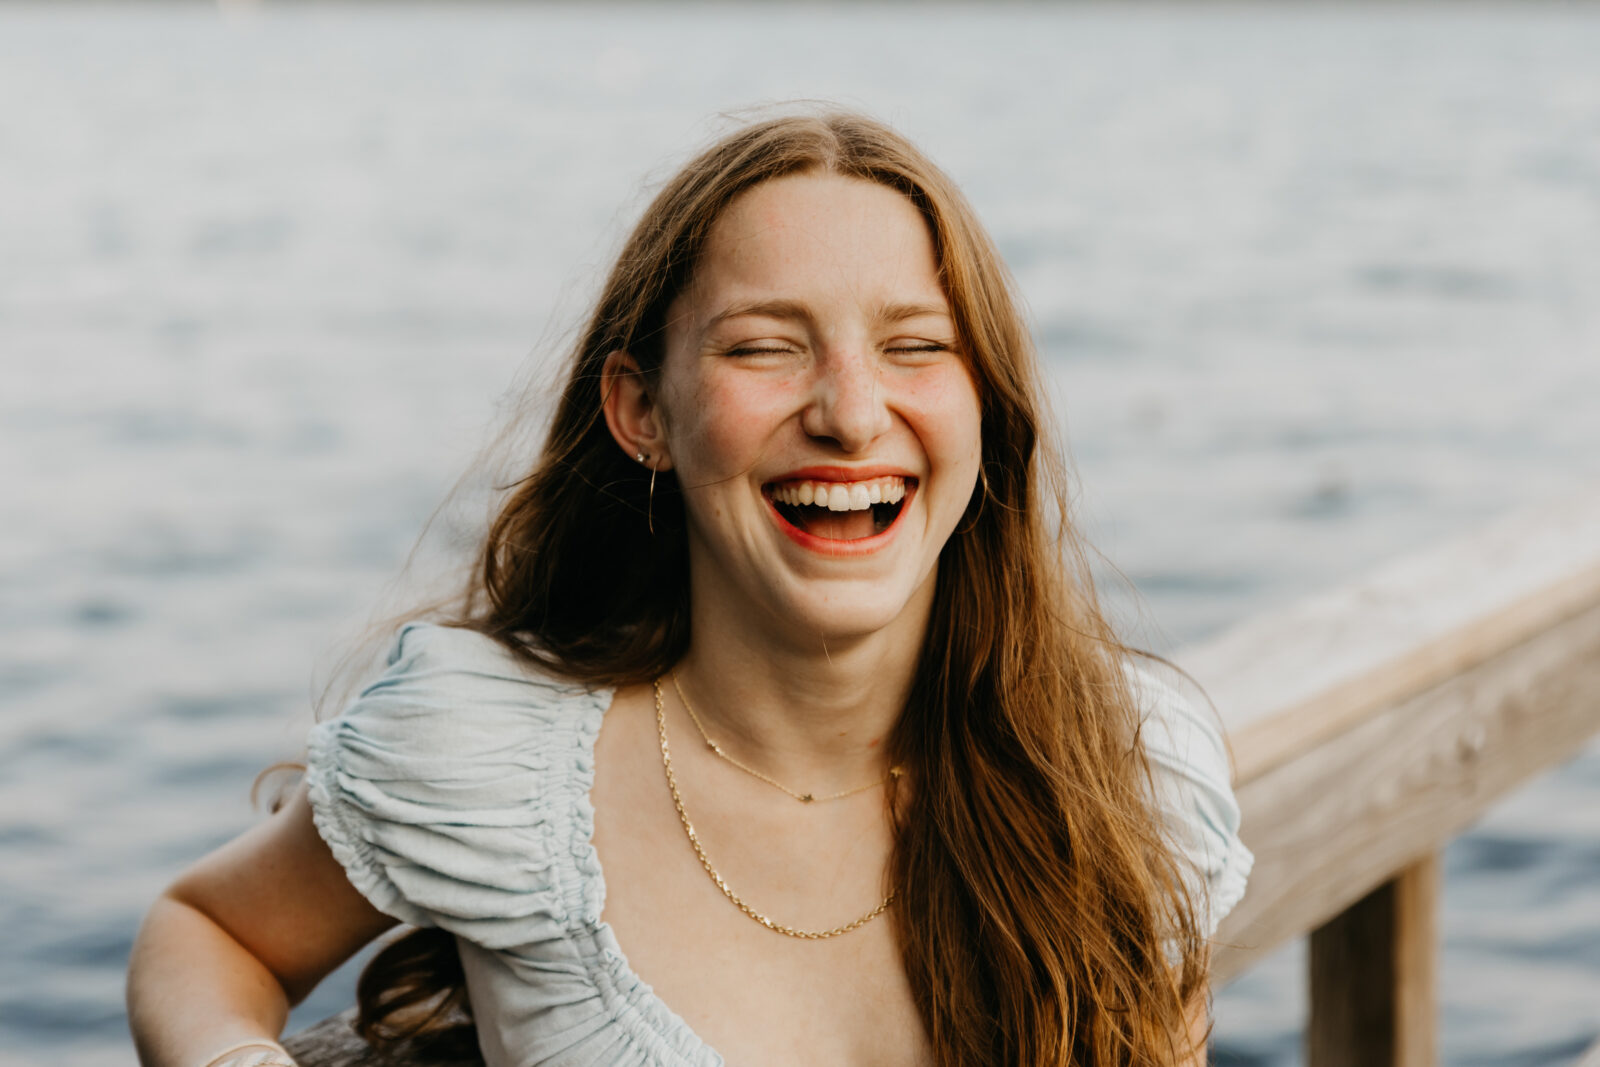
1373 1001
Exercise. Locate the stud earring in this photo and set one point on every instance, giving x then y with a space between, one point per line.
639 456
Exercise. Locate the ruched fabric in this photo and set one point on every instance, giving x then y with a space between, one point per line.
455 792
1190 771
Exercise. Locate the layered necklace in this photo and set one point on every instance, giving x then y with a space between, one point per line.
699 850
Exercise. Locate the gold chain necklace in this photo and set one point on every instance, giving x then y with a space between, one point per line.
804 798
705 861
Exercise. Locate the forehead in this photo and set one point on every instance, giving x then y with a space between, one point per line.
818 236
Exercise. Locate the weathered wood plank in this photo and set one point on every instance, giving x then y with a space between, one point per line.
1334 823
1290 679
1372 977
1371 724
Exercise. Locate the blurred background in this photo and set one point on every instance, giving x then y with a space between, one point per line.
1315 286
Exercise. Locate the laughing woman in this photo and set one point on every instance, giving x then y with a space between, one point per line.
777 722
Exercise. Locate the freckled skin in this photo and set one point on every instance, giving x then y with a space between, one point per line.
832 378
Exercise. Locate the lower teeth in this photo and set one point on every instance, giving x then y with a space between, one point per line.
801 516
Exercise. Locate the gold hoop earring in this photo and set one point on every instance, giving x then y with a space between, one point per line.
650 498
983 501
650 503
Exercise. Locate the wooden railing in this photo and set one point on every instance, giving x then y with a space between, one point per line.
1369 726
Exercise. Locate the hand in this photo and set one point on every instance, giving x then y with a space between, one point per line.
253 1054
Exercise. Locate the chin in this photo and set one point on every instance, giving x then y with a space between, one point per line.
854 614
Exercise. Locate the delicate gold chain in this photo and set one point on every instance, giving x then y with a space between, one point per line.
804 798
705 861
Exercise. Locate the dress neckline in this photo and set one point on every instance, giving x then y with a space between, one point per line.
671 1025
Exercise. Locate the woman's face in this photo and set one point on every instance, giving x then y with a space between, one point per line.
818 413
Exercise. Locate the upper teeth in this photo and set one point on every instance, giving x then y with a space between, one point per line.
842 496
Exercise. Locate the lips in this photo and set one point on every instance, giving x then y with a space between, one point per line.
840 510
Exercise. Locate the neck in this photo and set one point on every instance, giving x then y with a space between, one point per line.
811 711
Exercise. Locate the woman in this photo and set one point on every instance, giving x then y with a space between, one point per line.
787 634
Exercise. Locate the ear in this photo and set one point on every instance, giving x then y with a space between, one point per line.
631 412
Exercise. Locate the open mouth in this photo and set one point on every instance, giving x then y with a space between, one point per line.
841 511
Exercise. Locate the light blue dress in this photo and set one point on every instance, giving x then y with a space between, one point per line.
455 792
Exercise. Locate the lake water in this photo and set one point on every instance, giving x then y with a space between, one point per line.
1316 286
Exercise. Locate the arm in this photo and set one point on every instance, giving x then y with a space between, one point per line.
240 937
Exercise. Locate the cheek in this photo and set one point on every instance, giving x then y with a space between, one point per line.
728 423
949 414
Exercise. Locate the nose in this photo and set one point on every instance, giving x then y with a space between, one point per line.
847 404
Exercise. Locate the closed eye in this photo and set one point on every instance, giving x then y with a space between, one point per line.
918 350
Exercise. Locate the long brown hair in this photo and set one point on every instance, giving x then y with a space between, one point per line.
1040 918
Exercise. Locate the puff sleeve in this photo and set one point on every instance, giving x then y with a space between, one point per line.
1190 773
439 789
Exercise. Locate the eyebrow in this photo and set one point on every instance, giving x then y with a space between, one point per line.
901 312
793 310
771 309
